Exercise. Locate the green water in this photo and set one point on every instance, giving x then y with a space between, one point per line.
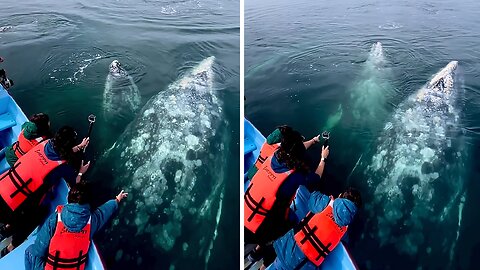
58 55
305 59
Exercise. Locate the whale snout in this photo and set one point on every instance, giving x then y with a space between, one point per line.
452 65
116 68
443 80
377 46
115 64
201 75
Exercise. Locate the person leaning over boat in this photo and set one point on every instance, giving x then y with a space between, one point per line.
33 132
63 241
271 145
23 186
272 189
307 245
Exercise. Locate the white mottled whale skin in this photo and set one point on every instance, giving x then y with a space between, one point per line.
121 97
171 163
416 171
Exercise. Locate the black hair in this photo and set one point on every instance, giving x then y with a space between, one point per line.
80 193
63 142
353 195
42 121
292 151
284 130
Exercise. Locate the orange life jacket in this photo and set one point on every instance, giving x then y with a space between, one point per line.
23 145
26 176
261 194
68 250
266 151
318 234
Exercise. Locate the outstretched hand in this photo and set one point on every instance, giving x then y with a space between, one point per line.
325 151
122 195
84 143
84 167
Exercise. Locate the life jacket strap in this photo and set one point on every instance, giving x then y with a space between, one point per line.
60 263
309 235
261 159
253 205
16 148
18 182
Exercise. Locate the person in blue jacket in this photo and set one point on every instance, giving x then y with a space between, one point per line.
289 254
75 216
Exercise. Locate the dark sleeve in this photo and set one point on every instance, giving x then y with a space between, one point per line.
102 215
251 172
44 235
312 181
64 171
274 137
317 202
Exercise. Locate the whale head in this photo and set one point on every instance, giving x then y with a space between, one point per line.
116 68
443 80
200 76
377 49
440 87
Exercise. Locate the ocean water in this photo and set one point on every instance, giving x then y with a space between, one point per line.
317 66
59 54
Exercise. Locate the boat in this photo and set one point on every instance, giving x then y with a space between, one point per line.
11 120
253 140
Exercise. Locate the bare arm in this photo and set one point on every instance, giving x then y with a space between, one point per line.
81 146
321 164
83 169
311 142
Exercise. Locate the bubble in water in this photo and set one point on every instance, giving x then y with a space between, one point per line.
118 255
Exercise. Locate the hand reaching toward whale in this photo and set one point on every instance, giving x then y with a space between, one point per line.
321 165
82 145
122 195
325 152
311 142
